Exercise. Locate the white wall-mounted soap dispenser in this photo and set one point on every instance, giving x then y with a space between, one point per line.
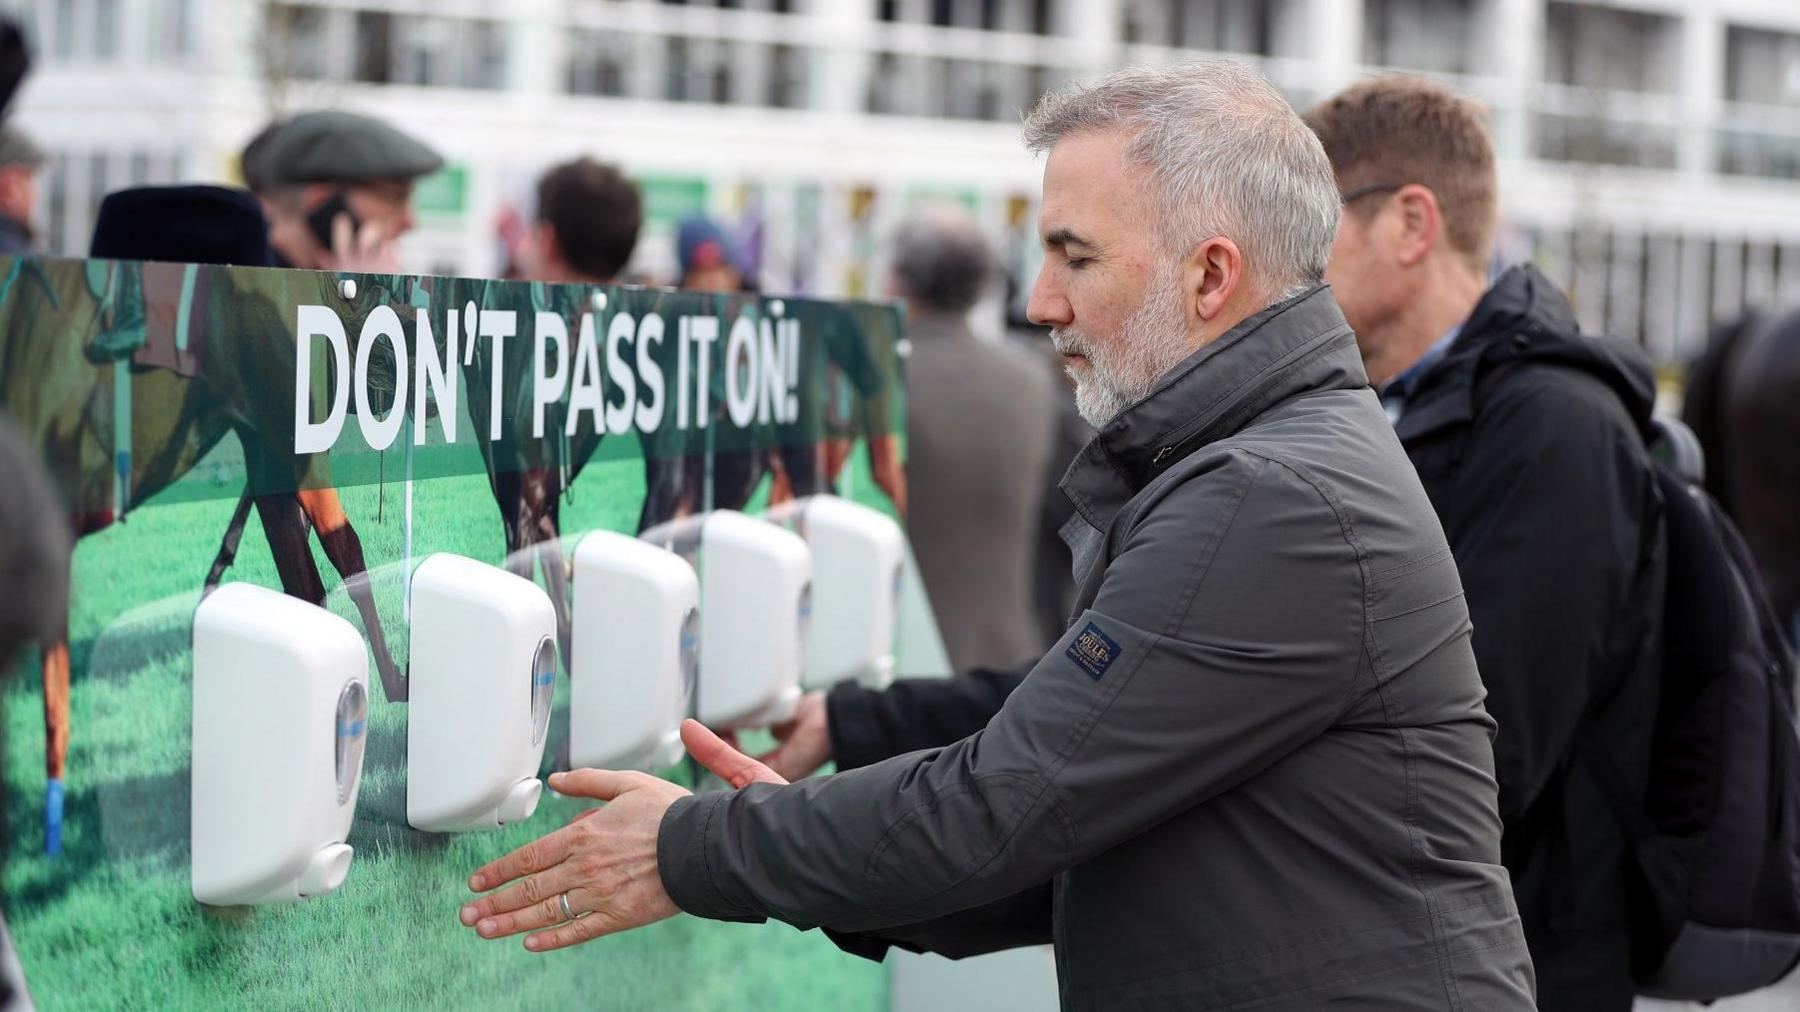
755 607
635 653
281 701
479 686
859 559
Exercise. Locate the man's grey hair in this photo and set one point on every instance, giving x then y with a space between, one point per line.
1226 154
941 260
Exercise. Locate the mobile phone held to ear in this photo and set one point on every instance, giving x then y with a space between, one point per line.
322 216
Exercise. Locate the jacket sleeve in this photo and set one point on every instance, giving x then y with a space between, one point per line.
1008 923
869 725
1552 502
1227 632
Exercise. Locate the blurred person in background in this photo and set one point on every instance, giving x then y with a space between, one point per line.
337 188
676 461
982 445
1531 439
1743 402
709 258
979 422
586 227
20 160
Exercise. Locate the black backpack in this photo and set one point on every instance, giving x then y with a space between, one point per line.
1716 843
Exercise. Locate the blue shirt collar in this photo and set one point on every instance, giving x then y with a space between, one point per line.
1401 386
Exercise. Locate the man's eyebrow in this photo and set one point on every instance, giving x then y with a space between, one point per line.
1064 237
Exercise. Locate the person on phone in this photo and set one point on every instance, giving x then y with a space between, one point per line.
337 188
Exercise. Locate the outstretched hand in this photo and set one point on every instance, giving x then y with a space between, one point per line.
805 741
602 865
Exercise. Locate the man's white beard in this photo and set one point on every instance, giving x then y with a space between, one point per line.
1124 369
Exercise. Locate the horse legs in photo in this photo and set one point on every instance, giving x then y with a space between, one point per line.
509 496
228 545
539 489
56 739
285 526
344 549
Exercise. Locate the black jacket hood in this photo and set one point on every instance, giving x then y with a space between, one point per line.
1525 319
1527 309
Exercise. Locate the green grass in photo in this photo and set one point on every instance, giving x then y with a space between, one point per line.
110 923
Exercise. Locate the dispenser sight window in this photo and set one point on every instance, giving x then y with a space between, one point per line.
690 651
352 723
543 683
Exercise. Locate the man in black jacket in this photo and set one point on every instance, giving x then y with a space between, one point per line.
1530 440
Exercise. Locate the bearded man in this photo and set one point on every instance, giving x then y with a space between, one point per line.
1256 769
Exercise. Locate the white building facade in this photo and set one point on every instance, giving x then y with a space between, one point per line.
1650 148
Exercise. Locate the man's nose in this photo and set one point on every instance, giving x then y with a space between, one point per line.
1048 307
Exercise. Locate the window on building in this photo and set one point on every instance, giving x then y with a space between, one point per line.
986 15
166 27
1758 136
423 51
1428 35
63 18
1235 26
105 15
1762 67
1610 49
788 77
484 54
1615 67
374 47
295 41
601 62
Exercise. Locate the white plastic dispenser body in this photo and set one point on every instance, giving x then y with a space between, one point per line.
478 703
859 560
755 606
635 653
281 701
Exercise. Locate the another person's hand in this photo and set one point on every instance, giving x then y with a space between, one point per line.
781 487
598 874
889 472
367 250
805 740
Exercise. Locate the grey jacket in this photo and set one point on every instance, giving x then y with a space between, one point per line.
1256 771
980 419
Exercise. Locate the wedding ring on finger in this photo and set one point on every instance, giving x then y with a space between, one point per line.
569 914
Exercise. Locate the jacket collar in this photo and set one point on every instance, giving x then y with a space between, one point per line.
1289 348
1523 317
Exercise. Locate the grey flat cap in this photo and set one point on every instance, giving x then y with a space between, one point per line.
17 148
332 145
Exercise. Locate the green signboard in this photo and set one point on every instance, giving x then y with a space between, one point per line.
322 434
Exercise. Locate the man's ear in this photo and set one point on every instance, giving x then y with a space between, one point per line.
1212 274
1420 223
544 244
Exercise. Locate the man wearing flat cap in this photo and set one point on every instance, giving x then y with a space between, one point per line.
20 160
337 188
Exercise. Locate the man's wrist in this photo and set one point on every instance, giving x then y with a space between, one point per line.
689 829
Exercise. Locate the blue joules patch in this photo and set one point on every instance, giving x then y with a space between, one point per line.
1094 651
